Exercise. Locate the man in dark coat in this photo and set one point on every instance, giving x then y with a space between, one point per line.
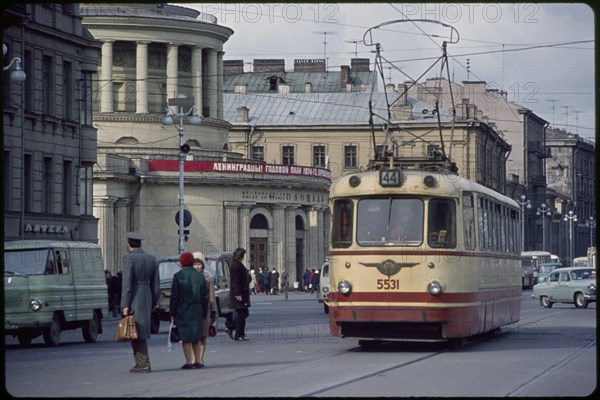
140 294
239 294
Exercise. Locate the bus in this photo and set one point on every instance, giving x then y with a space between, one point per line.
421 255
530 262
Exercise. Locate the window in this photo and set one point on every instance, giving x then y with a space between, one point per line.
85 115
389 222
86 190
67 187
27 183
258 153
47 85
343 217
319 156
441 223
47 174
350 157
28 84
469 221
381 151
288 155
7 180
67 90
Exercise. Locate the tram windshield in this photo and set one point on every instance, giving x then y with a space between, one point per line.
389 222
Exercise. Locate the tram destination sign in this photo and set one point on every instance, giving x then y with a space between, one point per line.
390 177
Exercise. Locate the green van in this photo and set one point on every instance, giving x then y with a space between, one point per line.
51 286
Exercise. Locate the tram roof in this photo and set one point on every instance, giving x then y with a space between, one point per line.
448 184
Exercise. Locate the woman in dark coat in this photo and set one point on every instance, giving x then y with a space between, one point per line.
239 294
188 306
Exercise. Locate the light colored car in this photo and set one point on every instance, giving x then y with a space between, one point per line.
567 285
217 264
544 270
324 286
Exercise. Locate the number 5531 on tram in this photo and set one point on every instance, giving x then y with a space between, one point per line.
421 256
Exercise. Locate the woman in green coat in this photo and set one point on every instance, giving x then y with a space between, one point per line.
188 306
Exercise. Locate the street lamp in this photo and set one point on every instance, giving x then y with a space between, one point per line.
570 218
18 75
543 211
591 222
181 101
523 203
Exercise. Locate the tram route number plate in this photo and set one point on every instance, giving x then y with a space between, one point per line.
390 177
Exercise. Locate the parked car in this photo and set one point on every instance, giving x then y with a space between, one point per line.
567 285
217 264
544 270
324 287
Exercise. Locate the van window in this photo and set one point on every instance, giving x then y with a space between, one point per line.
29 262
62 262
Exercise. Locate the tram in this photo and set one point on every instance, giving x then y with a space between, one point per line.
421 254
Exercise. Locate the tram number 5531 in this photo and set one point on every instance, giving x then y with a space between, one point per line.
390 177
388 284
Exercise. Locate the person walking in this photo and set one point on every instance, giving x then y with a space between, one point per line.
253 284
199 264
140 294
306 279
267 280
274 281
259 280
188 307
316 280
239 294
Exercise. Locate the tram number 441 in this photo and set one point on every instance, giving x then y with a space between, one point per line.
390 177
388 284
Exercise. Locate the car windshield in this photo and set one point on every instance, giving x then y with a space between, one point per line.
27 262
587 273
167 269
546 269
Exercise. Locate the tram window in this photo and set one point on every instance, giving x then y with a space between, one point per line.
469 221
390 222
343 217
442 223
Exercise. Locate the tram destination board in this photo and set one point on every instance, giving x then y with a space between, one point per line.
390 177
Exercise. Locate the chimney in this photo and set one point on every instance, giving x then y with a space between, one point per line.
233 67
389 87
344 76
268 65
402 94
242 114
240 88
360 64
349 87
308 87
283 88
309 65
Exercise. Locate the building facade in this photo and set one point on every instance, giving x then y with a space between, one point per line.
156 55
49 138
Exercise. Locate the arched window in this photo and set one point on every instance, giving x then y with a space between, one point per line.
299 223
259 221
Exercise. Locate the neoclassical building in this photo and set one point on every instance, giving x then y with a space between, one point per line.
153 56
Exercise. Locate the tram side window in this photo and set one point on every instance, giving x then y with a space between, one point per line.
341 230
442 223
469 221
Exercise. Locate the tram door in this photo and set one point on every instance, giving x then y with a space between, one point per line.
258 253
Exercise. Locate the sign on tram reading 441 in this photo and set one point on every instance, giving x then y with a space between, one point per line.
390 177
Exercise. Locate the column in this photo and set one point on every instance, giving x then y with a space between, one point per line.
290 244
212 71
172 71
312 253
219 93
141 75
278 245
119 249
230 237
104 211
244 229
106 84
197 77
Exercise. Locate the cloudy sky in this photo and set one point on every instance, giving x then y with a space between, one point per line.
542 55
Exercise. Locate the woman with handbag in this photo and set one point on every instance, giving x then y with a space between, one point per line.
188 306
207 324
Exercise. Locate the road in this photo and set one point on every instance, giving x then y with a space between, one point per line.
550 352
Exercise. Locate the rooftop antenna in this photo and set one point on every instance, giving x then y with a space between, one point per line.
356 42
567 118
468 68
325 33
576 122
552 100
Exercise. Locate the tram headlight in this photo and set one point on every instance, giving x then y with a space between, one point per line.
344 287
435 288
35 305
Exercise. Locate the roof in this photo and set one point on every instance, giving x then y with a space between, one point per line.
308 109
44 244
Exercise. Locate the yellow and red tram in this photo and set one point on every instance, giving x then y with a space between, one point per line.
420 255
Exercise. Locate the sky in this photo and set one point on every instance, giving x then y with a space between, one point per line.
541 54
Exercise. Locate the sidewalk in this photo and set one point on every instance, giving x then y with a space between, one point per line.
291 294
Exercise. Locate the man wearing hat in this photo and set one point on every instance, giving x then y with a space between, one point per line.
139 295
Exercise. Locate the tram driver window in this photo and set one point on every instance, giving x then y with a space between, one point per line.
442 223
341 233
390 222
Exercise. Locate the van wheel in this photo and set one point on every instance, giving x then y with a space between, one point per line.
91 328
52 333
154 324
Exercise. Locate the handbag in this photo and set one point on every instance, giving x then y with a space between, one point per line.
212 330
173 333
126 330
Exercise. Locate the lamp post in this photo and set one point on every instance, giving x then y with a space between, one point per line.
591 222
570 217
523 203
543 211
18 75
181 101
